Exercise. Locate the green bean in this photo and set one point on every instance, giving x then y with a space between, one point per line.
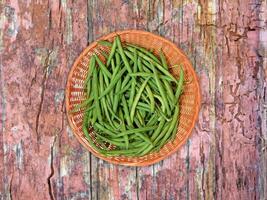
143 74
116 71
146 150
83 104
96 101
149 115
143 148
144 137
101 89
152 120
139 64
114 116
133 137
162 133
117 124
113 66
117 58
163 115
136 130
148 69
137 123
171 127
103 102
162 69
129 54
103 67
89 139
159 128
117 96
174 131
94 117
90 108
149 74
102 128
89 113
91 67
143 96
144 105
125 81
171 102
163 59
126 87
140 118
126 111
125 60
105 43
136 99
88 87
142 113
152 84
109 127
113 83
161 90
105 139
124 129
109 100
121 152
142 108
137 144
120 139
133 83
112 52
87 81
161 102
169 90
180 84
151 98
143 50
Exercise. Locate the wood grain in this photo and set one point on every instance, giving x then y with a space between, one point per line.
225 158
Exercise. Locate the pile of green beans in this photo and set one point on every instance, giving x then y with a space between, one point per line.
132 100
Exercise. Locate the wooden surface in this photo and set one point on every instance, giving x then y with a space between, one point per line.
226 157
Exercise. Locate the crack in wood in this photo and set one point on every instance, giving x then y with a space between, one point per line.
202 160
46 69
91 182
10 188
187 160
137 183
50 189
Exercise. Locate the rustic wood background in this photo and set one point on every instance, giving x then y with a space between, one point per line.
226 157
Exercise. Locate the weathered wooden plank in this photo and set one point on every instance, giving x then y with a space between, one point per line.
237 110
41 40
113 182
181 175
19 131
261 89
154 181
69 32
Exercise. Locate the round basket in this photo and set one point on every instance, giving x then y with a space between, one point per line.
189 101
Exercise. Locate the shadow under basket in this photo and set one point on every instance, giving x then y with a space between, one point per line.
189 100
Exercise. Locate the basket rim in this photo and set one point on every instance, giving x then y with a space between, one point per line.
67 102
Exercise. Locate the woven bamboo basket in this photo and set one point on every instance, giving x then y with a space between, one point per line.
189 101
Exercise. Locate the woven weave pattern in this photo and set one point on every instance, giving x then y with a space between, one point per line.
189 101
